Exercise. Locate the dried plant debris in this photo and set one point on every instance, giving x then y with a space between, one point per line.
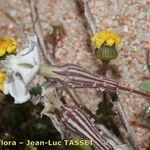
107 116
55 37
142 119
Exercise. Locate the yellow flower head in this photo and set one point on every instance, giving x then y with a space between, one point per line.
106 37
2 79
8 45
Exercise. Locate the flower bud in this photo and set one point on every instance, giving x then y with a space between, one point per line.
105 43
106 53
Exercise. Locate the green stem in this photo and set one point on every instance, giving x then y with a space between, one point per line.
105 68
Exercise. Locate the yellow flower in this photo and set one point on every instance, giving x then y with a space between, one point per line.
8 45
106 37
2 79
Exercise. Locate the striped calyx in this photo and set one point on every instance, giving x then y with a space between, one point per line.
80 123
106 53
77 77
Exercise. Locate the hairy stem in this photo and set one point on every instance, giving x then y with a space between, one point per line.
134 91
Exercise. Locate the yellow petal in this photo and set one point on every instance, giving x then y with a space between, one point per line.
7 44
11 49
2 51
110 42
1 87
108 36
2 76
99 43
118 40
12 45
2 79
103 35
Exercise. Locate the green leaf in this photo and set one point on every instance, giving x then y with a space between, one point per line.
145 85
36 90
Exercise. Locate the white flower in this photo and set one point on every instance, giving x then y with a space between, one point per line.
20 70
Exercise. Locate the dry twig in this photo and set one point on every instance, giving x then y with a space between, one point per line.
108 133
89 17
39 33
124 120
85 11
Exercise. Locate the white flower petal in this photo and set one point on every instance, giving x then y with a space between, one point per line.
27 62
31 39
16 88
21 69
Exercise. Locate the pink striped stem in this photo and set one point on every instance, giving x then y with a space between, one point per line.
80 123
77 77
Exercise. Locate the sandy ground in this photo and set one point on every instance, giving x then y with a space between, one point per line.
131 18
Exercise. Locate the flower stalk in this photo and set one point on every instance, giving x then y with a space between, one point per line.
105 43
